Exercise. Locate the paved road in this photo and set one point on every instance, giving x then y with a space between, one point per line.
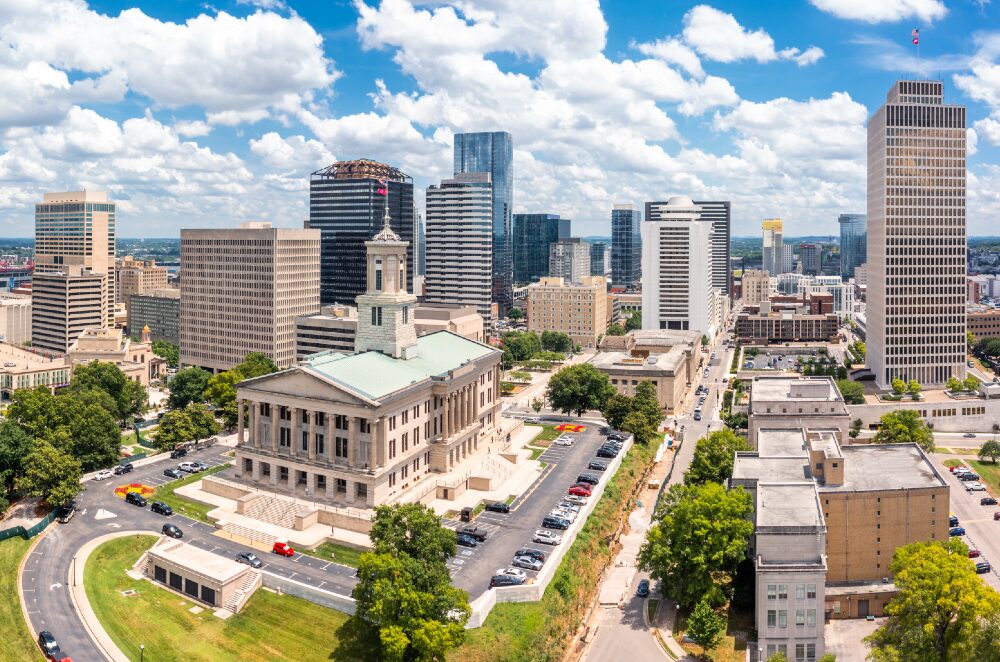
622 630
47 570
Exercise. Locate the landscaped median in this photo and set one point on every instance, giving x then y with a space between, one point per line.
182 505
18 645
541 630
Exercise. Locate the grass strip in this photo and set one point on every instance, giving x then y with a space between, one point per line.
182 505
18 645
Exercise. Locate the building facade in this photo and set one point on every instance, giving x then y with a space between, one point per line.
719 214
347 201
243 289
21 368
136 360
15 318
853 243
65 303
626 246
493 152
667 359
984 322
811 256
765 327
137 277
580 310
772 246
160 310
756 287
916 236
600 259
569 259
533 234
460 242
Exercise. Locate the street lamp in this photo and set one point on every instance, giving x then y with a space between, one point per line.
142 652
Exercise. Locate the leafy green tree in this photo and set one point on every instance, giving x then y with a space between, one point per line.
615 409
902 427
634 321
706 626
175 428
990 449
970 340
778 657
537 404
700 537
522 345
187 386
256 364
828 657
954 384
412 529
202 420
515 314
914 388
131 398
714 456
647 403
704 341
506 360
94 432
940 610
615 329
898 386
556 341
15 444
221 392
167 351
33 410
639 426
971 383
853 392
579 388
51 474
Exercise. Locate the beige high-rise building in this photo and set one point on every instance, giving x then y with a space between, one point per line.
242 290
137 277
916 236
756 287
74 253
578 310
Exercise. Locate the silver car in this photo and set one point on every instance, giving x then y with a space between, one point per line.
546 537
526 562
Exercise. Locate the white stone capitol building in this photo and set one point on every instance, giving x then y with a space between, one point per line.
361 429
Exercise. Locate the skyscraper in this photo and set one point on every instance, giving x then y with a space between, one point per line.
533 234
718 212
569 259
600 259
460 242
772 246
916 236
626 246
812 259
853 243
346 207
493 152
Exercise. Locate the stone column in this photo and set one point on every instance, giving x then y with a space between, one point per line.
446 419
256 471
274 474
293 447
275 424
453 408
352 441
350 491
469 418
475 400
311 442
330 446
239 422
311 484
331 487
378 436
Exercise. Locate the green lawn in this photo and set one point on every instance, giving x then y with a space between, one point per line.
989 473
18 646
331 551
271 627
182 505
535 452
548 433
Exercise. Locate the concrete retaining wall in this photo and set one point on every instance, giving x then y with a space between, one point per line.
344 603
224 489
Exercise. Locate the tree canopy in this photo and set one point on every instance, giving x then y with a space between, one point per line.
714 456
579 388
904 426
556 341
50 473
522 345
989 450
130 397
705 626
634 321
187 386
853 392
167 351
615 329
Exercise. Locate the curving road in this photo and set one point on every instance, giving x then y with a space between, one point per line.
47 569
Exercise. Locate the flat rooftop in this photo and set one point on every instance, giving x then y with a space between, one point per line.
25 360
797 389
788 505
870 467
671 361
772 443
771 469
825 441
206 563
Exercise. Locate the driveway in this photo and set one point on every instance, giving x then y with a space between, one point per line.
844 638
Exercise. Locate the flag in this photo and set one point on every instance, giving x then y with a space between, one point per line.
916 36
383 188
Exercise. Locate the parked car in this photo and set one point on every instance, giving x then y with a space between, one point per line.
568 515
466 514
172 530
474 531
161 508
526 562
123 469
968 475
546 537
607 452
576 490
563 441
590 479
956 531
642 590
513 572
576 498
969 435
953 520
505 580
616 436
135 499
282 549
568 505
536 554
250 559
50 648
498 507
188 467
172 473
465 541
66 512
178 452
551 522
201 466
983 567
987 501
103 474
974 553
697 415
975 487
586 486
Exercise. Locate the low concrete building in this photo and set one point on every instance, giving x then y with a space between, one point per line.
578 310
983 322
15 318
136 360
771 324
24 368
668 359
797 402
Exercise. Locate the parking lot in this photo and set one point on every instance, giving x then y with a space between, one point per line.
473 567
982 531
770 362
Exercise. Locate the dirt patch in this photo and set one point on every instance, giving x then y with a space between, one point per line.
26 513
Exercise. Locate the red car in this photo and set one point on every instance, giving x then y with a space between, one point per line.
974 554
996 515
579 490
283 549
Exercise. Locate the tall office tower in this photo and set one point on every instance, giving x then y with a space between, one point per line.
812 259
600 259
772 246
853 243
533 234
493 152
346 204
677 290
786 258
421 247
243 289
626 246
916 236
74 252
569 259
719 213
137 277
460 242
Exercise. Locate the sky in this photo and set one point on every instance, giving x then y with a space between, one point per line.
208 114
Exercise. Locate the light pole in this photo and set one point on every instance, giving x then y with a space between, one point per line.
142 652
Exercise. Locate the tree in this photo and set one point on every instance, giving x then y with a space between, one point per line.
954 384
51 474
778 657
700 537
828 657
175 428
634 321
615 409
522 345
615 329
639 426
202 420
705 626
95 438
647 403
15 444
167 351
537 404
855 428
33 410
579 388
714 456
704 341
187 386
940 610
898 386
256 364
412 529
506 360
914 388
971 383
221 392
990 449
970 340
515 314
853 392
902 427
129 395
556 341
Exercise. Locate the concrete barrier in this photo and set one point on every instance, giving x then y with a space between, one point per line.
344 603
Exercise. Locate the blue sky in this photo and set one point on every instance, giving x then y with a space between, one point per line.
197 114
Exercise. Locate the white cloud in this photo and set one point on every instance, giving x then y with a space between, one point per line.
673 51
192 128
989 129
718 36
295 152
880 11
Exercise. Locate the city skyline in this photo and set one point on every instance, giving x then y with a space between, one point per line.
754 112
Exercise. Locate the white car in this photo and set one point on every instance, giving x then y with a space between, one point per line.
975 487
546 537
573 498
526 562
563 441
565 514
513 572
103 474
189 467
568 505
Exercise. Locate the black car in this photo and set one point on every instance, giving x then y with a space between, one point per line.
475 532
536 554
616 436
552 522
606 452
172 473
643 589
161 508
172 530
505 580
66 512
969 476
597 466
47 642
987 501
465 541
983 567
953 520
178 452
122 469
135 499
498 507
590 479
250 559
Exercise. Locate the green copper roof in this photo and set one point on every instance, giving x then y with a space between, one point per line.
375 375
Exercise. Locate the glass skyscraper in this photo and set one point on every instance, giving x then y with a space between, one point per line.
853 243
533 234
493 152
626 246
